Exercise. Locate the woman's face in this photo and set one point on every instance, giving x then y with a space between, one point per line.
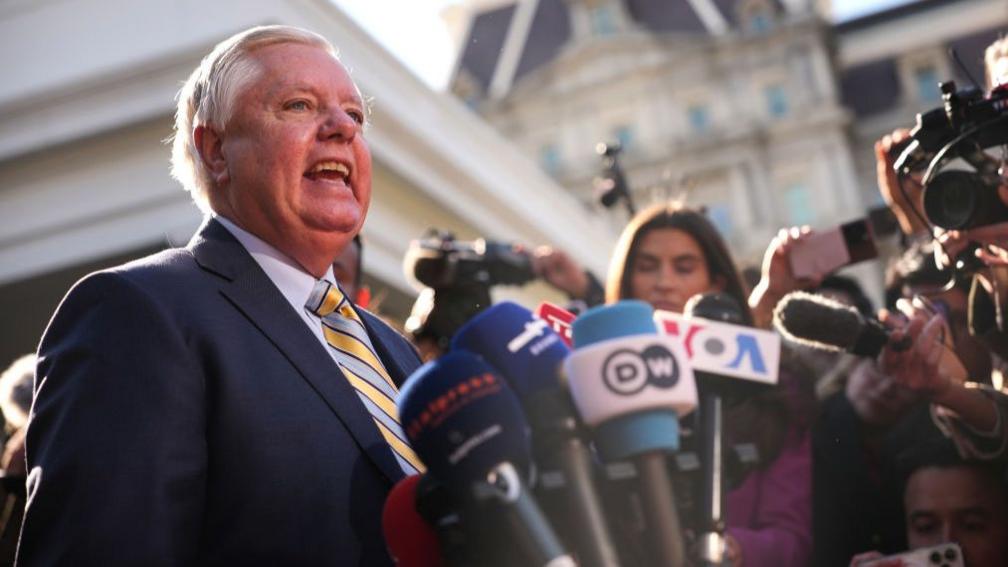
669 268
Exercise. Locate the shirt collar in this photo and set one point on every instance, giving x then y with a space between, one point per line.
290 278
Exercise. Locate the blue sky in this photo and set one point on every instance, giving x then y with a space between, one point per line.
420 39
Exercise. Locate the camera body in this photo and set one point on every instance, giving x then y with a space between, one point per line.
460 275
964 126
439 261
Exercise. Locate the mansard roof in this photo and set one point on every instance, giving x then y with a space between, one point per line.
485 42
551 29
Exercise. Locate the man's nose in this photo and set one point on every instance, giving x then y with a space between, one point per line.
339 126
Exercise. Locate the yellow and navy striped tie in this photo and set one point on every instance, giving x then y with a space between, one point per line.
352 350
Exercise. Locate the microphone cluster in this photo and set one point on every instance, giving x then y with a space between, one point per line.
555 441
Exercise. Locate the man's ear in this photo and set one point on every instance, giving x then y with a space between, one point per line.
211 153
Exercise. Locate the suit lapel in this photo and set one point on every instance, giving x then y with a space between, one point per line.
399 358
248 288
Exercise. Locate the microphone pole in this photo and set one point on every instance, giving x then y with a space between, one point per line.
711 540
712 498
437 508
730 360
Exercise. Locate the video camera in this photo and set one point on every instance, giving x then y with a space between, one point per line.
964 127
460 275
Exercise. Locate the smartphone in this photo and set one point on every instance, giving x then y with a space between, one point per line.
826 251
943 555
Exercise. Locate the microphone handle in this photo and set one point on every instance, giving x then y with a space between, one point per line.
660 509
712 497
874 337
526 521
452 539
594 543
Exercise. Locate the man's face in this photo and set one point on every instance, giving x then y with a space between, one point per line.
958 504
297 169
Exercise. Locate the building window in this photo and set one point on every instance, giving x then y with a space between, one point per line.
699 118
926 83
624 136
799 205
549 158
776 101
720 215
760 20
602 20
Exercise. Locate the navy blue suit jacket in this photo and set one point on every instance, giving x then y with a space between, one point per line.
186 415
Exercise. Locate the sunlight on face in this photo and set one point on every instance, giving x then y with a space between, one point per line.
669 268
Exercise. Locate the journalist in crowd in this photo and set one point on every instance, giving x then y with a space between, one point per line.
223 403
937 391
669 253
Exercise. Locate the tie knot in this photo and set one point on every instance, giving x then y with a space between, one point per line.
325 298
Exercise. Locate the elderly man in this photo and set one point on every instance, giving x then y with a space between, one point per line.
222 403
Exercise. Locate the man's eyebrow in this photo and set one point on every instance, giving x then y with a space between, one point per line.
973 510
307 87
282 86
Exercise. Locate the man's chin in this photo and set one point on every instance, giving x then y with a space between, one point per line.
335 225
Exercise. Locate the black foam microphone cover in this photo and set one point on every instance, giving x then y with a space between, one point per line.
819 322
715 307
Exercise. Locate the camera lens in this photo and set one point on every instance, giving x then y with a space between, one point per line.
959 200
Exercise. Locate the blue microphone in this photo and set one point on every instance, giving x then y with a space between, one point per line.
630 385
467 426
529 354
526 350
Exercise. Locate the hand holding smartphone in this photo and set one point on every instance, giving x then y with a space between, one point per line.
826 251
943 555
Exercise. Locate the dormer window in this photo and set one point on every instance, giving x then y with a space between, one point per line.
757 16
759 22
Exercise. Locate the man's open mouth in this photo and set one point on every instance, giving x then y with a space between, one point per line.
329 171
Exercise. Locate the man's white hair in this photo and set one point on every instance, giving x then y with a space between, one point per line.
208 95
16 387
994 52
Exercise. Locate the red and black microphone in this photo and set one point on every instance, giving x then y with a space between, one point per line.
412 542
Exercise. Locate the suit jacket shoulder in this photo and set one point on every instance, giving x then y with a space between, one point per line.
185 414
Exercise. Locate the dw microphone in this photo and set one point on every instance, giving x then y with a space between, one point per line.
630 385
